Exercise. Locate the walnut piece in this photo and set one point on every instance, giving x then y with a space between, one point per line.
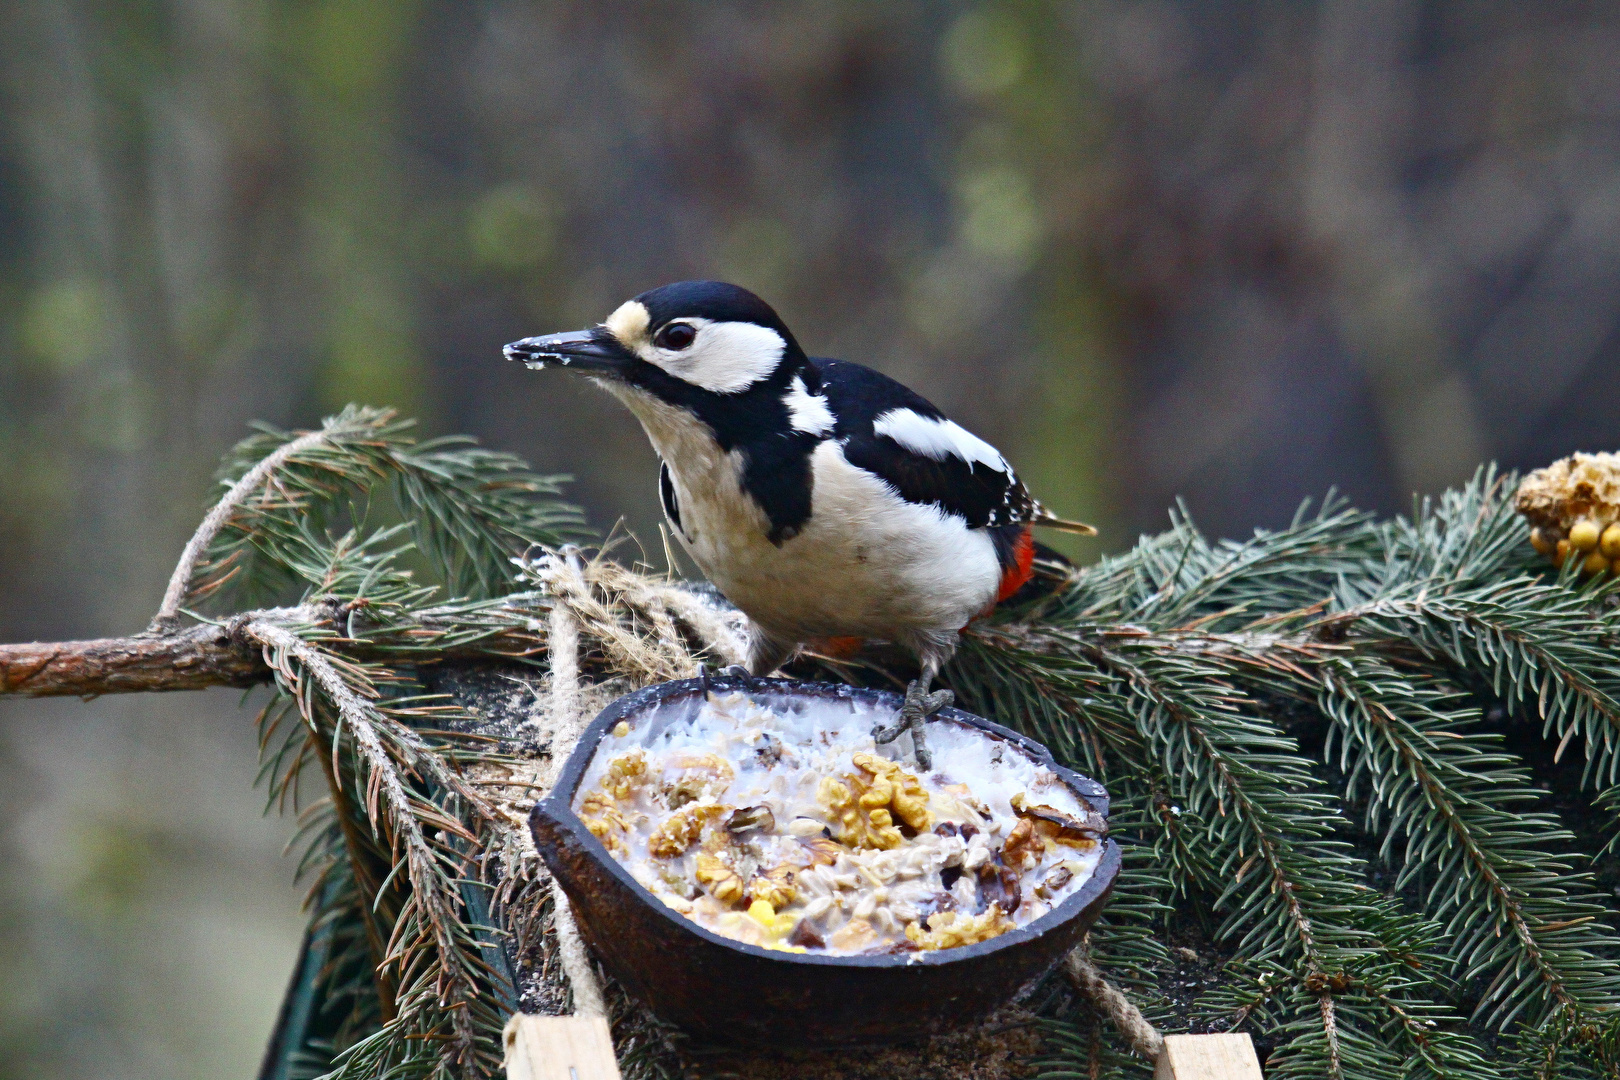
696 776
719 880
624 774
777 888
950 929
1054 825
600 813
682 830
865 803
1023 847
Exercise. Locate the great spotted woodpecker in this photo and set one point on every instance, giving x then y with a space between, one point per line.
823 499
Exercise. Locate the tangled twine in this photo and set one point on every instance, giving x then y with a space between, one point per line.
563 639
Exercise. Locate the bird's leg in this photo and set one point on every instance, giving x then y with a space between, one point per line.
919 706
765 654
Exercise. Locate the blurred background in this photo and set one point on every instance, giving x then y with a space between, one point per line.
1237 251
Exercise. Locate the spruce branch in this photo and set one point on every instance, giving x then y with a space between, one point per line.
168 613
433 986
468 511
1462 807
1545 646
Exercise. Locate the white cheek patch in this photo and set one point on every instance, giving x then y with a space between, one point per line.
937 439
725 357
808 412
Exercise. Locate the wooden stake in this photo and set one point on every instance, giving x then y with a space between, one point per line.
559 1048
1206 1057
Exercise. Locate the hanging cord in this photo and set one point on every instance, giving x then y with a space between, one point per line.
563 644
1107 998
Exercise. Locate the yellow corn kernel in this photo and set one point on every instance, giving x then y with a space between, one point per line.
1595 564
1583 535
1609 542
1543 543
777 926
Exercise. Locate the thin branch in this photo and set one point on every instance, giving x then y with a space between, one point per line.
168 614
199 657
192 659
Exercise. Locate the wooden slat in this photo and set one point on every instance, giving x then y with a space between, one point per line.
559 1048
1207 1057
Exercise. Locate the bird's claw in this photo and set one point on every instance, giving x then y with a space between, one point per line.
919 706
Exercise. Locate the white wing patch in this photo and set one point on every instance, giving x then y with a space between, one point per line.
937 439
808 412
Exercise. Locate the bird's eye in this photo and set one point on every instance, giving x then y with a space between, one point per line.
676 336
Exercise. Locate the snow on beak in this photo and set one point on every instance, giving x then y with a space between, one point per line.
596 351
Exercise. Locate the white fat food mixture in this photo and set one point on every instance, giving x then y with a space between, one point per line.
792 829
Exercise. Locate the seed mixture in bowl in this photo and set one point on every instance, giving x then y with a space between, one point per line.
791 828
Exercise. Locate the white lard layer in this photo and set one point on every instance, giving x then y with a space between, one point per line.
864 901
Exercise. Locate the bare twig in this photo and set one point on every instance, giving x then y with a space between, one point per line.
191 659
168 614
198 657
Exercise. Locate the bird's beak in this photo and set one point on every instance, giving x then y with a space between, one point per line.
596 351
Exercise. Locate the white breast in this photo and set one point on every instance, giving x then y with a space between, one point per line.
866 564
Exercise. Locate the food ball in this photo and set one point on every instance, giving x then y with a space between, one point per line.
1573 508
1595 564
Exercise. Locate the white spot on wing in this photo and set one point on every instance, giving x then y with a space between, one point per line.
808 412
937 439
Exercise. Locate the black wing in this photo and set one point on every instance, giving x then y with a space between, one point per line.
979 493
666 495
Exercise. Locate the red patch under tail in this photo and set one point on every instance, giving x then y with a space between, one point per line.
1023 566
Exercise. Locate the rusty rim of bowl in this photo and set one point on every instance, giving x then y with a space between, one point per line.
558 806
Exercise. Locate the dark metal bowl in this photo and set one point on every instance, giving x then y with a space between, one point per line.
726 991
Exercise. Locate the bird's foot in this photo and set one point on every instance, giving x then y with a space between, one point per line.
919 706
737 671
